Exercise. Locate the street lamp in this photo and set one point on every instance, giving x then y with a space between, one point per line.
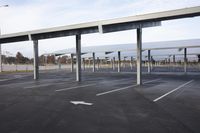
0 44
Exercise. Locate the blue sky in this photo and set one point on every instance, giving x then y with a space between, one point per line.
23 15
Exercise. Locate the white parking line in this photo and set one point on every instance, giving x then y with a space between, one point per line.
116 80
75 87
15 77
92 84
155 100
150 81
107 92
36 86
4 79
81 103
8 79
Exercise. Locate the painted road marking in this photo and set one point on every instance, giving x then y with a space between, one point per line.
36 86
43 85
75 87
89 85
179 87
81 102
127 87
116 80
29 82
15 77
4 80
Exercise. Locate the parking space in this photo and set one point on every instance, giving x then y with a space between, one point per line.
102 102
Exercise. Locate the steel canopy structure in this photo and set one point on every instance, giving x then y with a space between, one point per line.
104 26
113 25
107 49
125 51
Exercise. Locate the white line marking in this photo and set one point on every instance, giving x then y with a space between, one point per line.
36 86
43 85
32 82
15 77
150 81
4 79
103 93
90 84
118 80
155 100
65 89
81 102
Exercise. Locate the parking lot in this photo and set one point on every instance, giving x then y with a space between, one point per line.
102 103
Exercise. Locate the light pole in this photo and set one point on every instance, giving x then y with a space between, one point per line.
0 44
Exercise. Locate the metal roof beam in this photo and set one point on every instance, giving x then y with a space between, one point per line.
14 39
111 25
128 26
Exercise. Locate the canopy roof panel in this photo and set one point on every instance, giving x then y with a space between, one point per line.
131 47
104 26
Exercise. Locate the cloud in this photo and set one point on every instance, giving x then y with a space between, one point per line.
28 15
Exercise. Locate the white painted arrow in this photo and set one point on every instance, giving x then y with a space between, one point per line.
80 102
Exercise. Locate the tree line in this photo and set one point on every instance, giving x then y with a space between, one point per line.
21 59
43 59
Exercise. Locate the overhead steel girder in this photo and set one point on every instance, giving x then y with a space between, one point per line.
109 52
14 39
95 29
64 33
128 26
104 26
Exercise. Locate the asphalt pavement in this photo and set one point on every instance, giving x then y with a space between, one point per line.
103 102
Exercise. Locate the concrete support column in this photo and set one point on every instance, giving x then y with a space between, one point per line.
78 57
131 63
165 61
89 63
72 62
93 57
46 61
59 63
169 60
149 61
139 56
152 63
84 64
185 60
169 63
174 59
36 62
124 62
1 68
98 61
119 61
113 63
